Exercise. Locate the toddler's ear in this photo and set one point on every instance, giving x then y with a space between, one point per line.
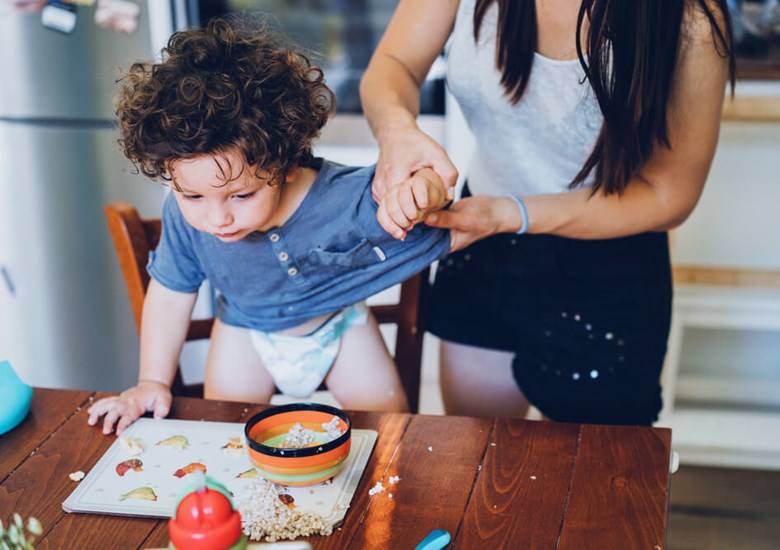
291 174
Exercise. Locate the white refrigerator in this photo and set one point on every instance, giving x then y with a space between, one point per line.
65 320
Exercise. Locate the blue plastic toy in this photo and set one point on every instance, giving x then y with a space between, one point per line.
15 398
436 540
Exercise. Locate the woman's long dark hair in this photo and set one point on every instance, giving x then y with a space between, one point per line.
633 47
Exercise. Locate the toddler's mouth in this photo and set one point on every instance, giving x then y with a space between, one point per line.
225 236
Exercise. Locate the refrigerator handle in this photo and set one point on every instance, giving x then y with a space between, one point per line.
6 276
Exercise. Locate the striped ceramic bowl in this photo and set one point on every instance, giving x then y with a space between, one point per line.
265 434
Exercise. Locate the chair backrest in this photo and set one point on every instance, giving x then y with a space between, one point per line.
134 238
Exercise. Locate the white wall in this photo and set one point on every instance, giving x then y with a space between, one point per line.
737 221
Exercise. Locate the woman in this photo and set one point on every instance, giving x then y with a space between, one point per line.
596 123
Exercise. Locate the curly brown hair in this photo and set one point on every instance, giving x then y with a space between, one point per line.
230 85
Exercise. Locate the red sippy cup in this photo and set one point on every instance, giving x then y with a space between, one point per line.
205 519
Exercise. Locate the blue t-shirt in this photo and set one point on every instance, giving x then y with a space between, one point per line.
329 254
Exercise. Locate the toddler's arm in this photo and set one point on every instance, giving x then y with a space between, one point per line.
407 203
164 324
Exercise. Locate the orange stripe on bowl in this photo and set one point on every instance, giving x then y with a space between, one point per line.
281 461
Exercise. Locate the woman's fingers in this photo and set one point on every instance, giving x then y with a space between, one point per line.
448 219
377 188
443 166
460 240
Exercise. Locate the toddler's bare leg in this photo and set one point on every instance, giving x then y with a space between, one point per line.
234 371
479 382
364 376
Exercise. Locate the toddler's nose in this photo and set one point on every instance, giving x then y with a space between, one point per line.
220 218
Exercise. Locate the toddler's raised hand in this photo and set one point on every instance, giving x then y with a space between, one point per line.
407 203
125 408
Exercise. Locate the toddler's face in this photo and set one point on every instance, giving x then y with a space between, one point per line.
229 211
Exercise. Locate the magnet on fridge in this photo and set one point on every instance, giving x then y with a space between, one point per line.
59 16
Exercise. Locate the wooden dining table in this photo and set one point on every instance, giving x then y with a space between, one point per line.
490 482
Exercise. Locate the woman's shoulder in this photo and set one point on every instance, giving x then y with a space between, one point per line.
704 25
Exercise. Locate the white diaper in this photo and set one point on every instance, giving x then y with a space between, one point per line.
299 364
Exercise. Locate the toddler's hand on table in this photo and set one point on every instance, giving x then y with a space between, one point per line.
406 204
128 406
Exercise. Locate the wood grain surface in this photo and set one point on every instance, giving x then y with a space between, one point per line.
492 483
49 410
520 496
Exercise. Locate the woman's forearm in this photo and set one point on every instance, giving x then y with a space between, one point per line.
390 95
164 325
642 207
390 88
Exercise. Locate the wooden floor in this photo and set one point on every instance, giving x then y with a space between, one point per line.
720 508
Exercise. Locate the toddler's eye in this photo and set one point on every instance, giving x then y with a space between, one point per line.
244 195
192 197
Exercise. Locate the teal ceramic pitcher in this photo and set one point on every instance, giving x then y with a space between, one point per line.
15 397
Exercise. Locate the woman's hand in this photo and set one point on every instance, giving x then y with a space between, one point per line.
128 406
475 218
405 149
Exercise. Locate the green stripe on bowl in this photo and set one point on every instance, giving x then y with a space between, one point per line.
300 477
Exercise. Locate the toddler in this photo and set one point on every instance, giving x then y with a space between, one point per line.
291 244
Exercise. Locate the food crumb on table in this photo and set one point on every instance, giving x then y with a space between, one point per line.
376 489
430 449
533 477
394 479
77 476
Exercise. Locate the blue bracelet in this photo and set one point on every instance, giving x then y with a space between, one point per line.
523 214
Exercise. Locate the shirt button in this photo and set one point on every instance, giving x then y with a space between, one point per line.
284 257
292 272
274 237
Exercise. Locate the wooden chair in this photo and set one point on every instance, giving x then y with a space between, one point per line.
134 238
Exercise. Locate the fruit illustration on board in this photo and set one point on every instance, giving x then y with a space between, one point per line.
140 493
177 441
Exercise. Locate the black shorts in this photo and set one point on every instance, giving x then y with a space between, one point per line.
588 320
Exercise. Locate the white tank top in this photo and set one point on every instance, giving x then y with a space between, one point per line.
540 144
